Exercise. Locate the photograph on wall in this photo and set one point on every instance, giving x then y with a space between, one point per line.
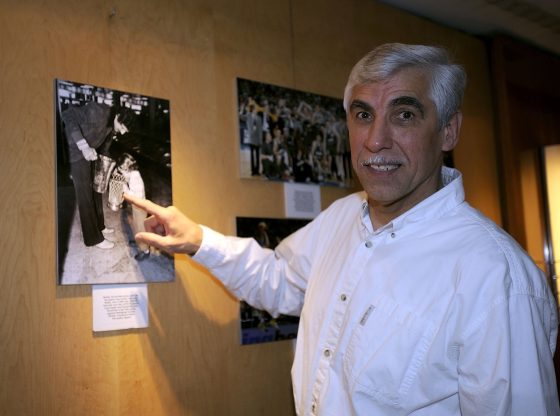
292 136
108 143
258 326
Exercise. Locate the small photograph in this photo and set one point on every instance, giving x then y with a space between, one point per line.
108 143
258 326
292 136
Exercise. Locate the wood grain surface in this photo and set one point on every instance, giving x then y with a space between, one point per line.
189 361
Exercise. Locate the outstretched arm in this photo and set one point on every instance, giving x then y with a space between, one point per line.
167 228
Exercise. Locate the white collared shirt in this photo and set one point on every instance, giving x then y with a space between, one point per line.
439 312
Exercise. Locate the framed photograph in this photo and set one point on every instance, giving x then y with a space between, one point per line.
258 326
108 143
292 136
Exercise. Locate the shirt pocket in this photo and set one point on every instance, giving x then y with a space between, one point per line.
386 350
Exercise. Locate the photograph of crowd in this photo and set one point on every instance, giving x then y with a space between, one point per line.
108 143
292 136
257 326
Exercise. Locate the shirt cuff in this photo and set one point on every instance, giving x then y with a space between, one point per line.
212 249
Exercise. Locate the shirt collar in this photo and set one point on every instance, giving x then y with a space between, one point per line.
436 205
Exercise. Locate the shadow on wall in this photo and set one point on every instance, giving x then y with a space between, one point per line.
191 364
207 369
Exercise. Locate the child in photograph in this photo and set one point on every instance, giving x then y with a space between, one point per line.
134 185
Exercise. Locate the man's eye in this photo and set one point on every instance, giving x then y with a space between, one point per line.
363 115
406 115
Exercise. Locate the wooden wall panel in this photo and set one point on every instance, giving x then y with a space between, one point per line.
188 361
527 113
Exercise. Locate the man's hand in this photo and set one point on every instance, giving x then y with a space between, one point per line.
167 228
89 152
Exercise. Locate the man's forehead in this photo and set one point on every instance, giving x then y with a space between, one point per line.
411 78
371 100
394 91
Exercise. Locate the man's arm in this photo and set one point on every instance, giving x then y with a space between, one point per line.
533 340
72 118
250 272
505 365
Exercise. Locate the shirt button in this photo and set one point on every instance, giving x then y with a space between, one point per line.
368 244
343 297
313 408
393 235
327 353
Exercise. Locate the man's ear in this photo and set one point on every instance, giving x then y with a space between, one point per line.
451 132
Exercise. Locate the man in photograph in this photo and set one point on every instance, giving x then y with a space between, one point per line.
90 130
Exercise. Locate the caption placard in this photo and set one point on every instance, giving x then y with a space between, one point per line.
119 307
302 201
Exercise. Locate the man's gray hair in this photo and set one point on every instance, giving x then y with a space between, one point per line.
447 79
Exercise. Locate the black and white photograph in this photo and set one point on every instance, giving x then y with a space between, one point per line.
292 136
258 326
109 143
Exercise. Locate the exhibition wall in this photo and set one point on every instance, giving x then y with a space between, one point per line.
189 361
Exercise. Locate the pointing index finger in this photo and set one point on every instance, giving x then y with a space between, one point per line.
144 204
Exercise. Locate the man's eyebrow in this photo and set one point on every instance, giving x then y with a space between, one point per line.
360 105
406 100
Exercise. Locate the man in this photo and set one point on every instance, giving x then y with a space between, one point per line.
411 301
90 129
253 134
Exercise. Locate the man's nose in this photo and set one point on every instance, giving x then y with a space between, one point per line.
379 136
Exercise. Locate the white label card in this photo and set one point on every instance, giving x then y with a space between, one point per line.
119 306
302 201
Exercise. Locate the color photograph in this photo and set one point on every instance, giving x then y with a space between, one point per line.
257 326
292 136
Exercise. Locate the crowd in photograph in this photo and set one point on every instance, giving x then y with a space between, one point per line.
293 136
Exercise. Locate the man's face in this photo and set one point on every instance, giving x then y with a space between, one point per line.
395 141
119 127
